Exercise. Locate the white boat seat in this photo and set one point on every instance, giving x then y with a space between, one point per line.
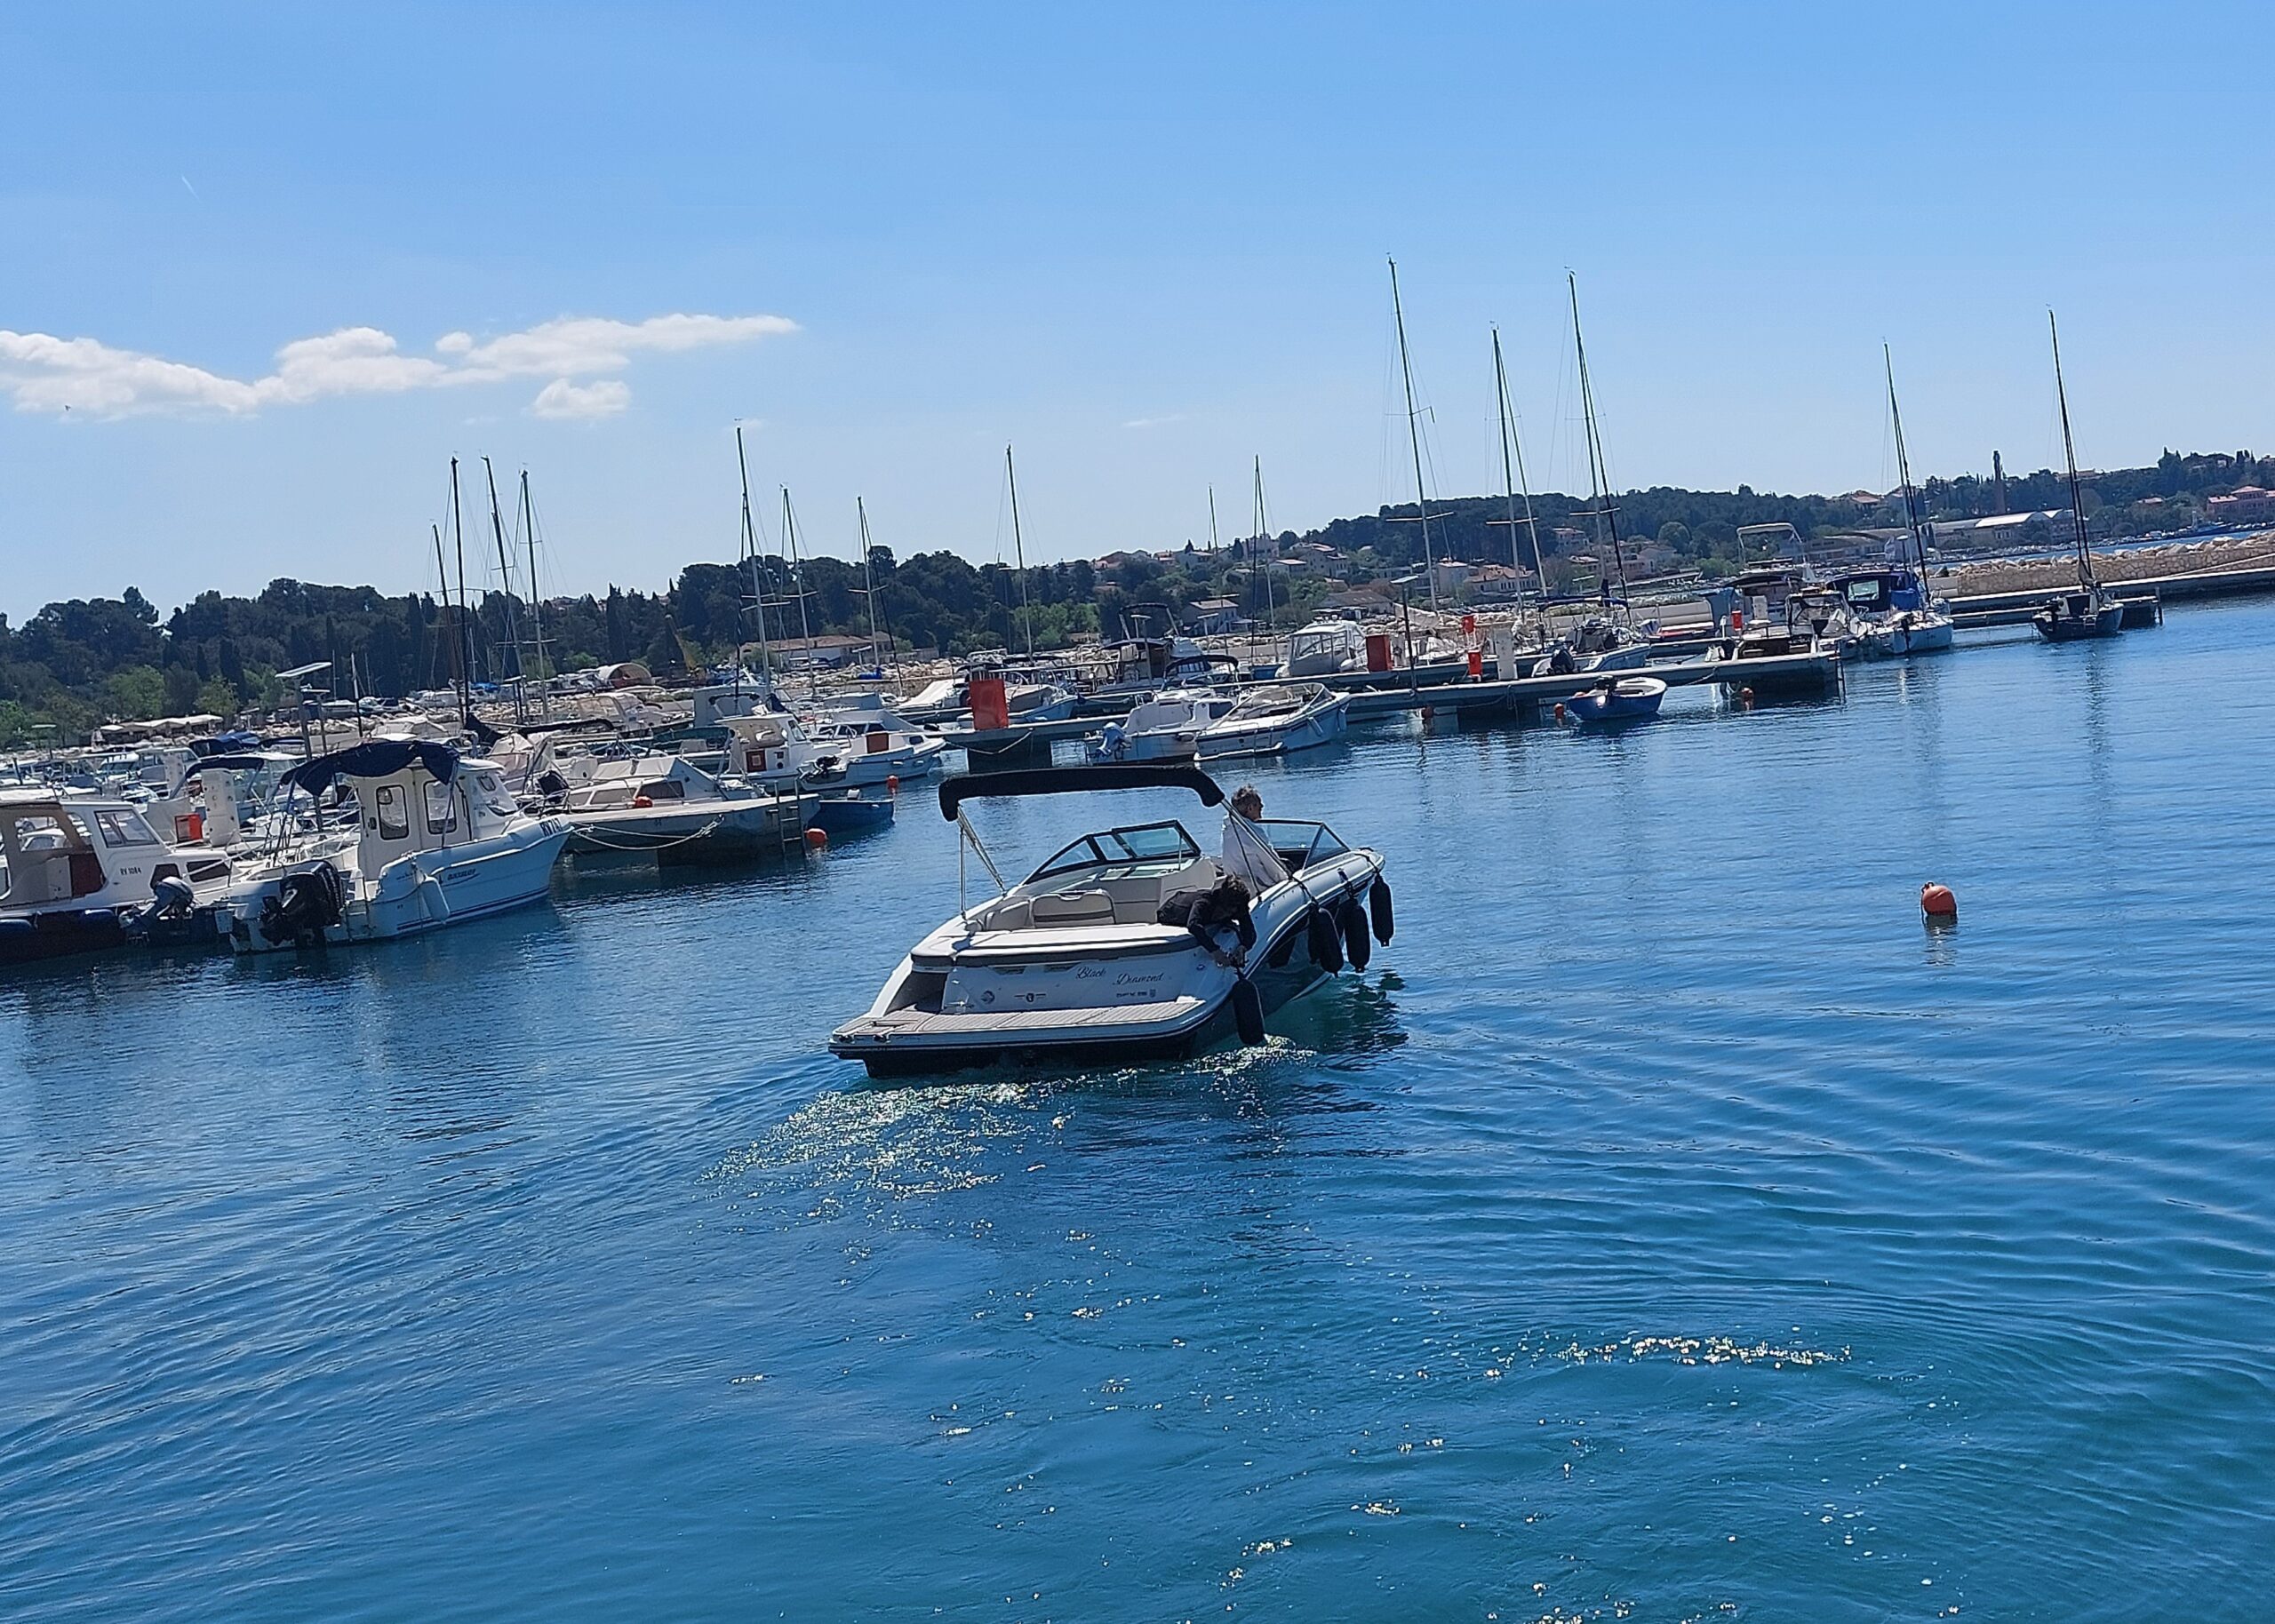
1070 908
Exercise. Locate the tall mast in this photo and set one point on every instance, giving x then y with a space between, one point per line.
1264 551
442 574
537 610
757 592
869 586
506 577
1019 552
798 581
2077 491
465 632
1598 473
1903 472
1414 435
1212 521
1514 480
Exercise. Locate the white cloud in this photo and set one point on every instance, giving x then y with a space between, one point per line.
581 402
40 373
1175 417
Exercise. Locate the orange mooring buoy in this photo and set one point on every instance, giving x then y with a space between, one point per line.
1937 902
816 839
892 783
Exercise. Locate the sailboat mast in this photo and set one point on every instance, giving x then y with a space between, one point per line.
1903 471
1414 436
2077 491
1212 521
442 574
798 581
1599 474
1264 551
1019 552
757 590
1509 441
537 609
869 582
465 632
505 578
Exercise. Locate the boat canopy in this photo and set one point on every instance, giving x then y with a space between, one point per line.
376 757
1069 780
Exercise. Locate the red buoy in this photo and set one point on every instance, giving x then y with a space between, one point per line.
816 839
1560 709
1937 902
892 783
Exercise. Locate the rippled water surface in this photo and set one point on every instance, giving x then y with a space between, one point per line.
1667 1227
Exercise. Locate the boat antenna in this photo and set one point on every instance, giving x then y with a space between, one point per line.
1904 473
1514 480
1019 552
465 632
2077 491
1413 435
537 609
506 572
798 580
1599 474
757 592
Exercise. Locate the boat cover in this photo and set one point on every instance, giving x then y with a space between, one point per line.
374 759
1067 780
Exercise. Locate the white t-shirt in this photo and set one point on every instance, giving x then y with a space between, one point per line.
1247 853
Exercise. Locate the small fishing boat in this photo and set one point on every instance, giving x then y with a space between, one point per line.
1617 699
848 812
1276 720
1127 944
437 841
81 874
664 807
1166 727
2090 610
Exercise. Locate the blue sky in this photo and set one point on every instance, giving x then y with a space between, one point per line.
1145 245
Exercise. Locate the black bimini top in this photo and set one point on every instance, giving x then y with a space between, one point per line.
374 759
1067 780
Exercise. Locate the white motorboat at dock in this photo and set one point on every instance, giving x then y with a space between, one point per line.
1129 943
438 841
1275 720
664 807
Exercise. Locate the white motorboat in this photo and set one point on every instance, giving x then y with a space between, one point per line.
870 742
78 873
437 841
665 807
1128 945
1166 727
1275 720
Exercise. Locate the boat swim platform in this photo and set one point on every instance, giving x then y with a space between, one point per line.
1818 671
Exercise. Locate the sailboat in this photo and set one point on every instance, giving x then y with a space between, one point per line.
2089 612
1887 613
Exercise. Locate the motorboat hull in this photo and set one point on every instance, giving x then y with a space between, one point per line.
726 830
1197 1016
1636 699
845 815
415 894
31 937
1320 726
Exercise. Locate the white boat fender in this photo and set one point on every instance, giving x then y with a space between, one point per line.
1326 941
1247 1011
1352 916
1378 904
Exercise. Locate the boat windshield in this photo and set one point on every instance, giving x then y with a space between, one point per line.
1300 845
1142 848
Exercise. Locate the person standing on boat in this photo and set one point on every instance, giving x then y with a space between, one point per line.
1248 855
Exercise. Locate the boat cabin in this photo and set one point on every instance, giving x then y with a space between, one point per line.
641 782
1879 592
57 853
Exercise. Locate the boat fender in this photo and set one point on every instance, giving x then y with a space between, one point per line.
816 839
1247 1011
1937 902
1352 916
1378 905
1326 941
99 919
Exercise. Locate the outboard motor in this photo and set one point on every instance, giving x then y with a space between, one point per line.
165 920
304 906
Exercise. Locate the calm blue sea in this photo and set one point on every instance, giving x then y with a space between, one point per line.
1667 1227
